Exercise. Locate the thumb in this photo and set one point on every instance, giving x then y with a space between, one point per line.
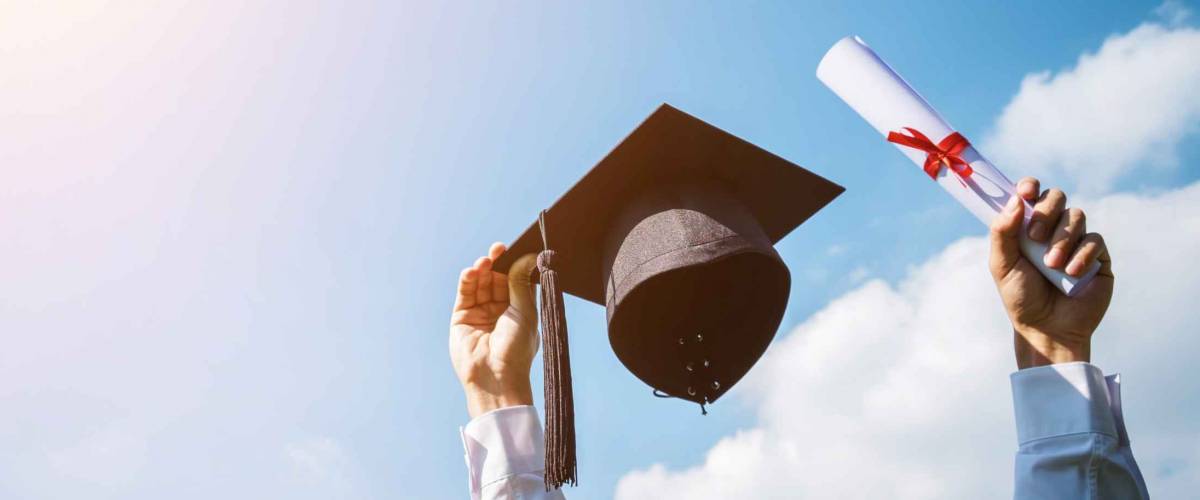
1005 236
520 290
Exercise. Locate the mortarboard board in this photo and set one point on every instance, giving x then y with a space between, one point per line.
672 231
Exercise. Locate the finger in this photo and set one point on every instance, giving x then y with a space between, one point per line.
1045 213
1105 260
1028 188
1004 235
495 250
520 290
483 292
499 280
466 289
1071 226
1089 250
499 287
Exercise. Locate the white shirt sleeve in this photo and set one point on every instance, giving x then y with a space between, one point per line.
1072 435
505 455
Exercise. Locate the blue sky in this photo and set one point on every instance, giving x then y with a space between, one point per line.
233 233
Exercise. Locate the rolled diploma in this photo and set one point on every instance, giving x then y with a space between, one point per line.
857 75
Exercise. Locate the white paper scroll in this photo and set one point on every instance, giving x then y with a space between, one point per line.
856 74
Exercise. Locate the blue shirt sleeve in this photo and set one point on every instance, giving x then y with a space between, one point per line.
1071 434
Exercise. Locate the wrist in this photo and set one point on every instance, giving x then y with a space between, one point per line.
481 400
1034 348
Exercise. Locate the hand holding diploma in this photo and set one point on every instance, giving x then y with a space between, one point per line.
1049 327
877 93
1032 231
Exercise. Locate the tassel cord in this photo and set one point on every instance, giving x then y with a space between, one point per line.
561 467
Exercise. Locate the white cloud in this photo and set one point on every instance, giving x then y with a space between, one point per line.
904 390
319 458
1125 107
1173 12
858 274
108 458
322 466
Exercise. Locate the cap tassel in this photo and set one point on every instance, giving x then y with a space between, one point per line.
556 359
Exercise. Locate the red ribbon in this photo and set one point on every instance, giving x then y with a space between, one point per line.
945 152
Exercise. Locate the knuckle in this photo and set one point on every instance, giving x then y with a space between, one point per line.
1064 236
1052 201
999 226
518 279
1065 221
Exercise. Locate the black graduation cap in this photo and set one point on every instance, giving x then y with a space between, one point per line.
673 232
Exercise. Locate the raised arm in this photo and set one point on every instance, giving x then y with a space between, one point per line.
493 338
1070 429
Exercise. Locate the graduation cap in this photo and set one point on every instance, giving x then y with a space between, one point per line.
673 232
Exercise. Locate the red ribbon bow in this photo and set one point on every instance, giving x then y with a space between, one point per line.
945 152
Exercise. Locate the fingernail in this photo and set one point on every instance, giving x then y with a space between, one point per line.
1054 257
1037 230
1074 267
1011 206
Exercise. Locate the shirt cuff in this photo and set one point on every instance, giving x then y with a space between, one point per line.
501 443
1062 399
